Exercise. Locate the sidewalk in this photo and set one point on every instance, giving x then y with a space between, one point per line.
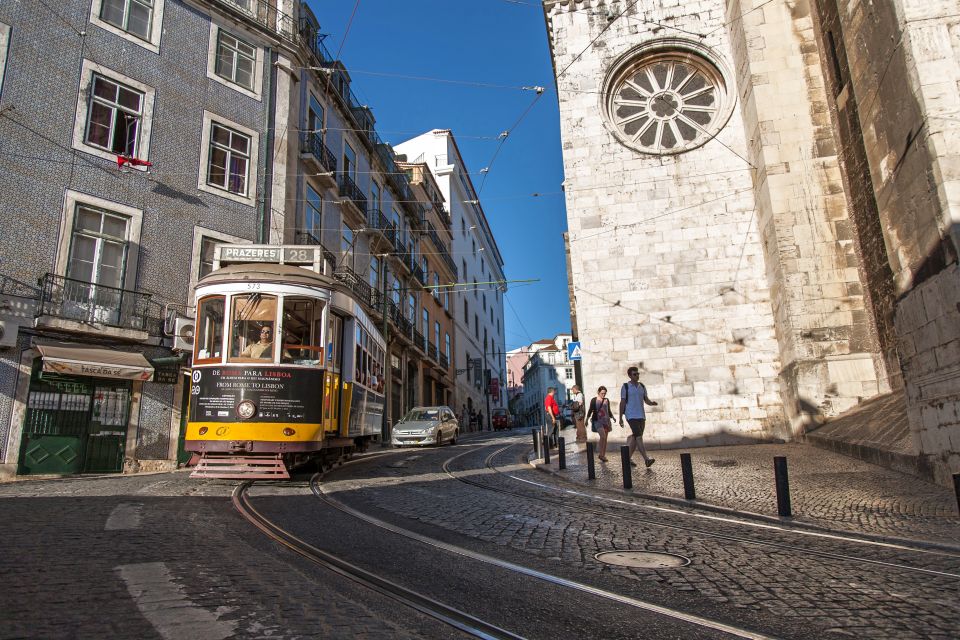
828 490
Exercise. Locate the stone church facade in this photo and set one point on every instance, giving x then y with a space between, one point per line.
761 199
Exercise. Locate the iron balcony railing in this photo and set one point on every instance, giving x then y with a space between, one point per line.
312 143
265 14
358 285
433 352
313 40
444 361
71 299
350 191
419 341
377 221
416 270
441 249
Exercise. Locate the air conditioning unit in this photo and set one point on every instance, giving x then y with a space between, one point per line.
183 330
8 333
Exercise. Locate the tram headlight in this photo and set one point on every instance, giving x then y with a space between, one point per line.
289 432
246 409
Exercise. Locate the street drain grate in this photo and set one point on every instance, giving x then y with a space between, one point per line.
643 559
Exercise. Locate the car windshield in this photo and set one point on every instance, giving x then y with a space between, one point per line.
419 415
499 412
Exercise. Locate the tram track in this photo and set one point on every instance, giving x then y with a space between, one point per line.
674 614
426 605
785 548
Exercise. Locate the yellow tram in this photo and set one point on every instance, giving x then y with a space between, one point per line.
287 365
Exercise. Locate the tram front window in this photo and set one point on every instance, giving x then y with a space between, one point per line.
252 328
209 329
302 331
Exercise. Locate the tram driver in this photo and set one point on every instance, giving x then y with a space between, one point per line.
263 348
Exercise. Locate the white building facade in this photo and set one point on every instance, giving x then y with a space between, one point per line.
477 304
547 366
761 216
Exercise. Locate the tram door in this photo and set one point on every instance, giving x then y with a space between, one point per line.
332 374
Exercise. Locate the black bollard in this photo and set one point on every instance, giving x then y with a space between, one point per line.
561 453
591 469
783 486
546 449
627 470
536 442
956 489
686 467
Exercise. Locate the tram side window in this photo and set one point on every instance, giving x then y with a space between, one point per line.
209 329
252 328
302 323
334 340
369 367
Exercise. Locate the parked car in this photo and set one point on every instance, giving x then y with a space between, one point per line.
566 416
426 425
500 419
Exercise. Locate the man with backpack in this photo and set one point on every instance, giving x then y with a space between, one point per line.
633 395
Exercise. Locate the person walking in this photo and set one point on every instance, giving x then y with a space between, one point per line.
579 412
552 410
633 395
479 420
599 415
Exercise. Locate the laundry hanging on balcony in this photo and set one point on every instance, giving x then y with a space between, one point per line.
123 161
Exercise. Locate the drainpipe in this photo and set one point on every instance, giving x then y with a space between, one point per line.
266 150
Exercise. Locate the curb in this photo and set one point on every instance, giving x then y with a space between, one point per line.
748 515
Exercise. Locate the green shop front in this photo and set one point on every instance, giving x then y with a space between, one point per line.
78 409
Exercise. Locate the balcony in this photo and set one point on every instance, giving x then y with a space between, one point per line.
318 157
378 222
416 270
314 41
82 307
264 14
358 285
432 352
419 341
441 249
352 194
444 362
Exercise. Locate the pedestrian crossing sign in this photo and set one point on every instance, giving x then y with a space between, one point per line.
573 351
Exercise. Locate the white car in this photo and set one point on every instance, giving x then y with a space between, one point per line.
426 425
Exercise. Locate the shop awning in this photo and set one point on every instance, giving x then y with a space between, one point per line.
81 360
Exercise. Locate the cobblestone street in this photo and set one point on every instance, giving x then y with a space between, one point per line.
827 489
162 555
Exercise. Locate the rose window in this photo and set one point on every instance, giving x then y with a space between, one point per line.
666 103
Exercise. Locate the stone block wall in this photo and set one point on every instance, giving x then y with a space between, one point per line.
828 346
666 257
904 68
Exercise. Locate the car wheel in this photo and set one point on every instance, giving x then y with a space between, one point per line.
439 438
454 439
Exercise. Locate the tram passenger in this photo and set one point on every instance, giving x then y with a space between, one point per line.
263 348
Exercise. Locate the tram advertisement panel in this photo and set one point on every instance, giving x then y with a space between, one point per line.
279 395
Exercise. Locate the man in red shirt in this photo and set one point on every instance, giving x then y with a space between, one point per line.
552 410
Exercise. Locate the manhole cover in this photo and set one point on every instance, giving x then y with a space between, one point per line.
643 559
721 462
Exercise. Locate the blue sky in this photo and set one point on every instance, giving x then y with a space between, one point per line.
498 42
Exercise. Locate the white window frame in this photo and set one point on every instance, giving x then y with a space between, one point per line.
4 46
87 71
257 92
156 27
208 120
70 202
199 233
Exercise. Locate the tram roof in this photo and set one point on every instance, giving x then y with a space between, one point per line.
267 272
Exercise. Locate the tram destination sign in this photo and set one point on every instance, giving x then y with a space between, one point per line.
280 395
273 254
